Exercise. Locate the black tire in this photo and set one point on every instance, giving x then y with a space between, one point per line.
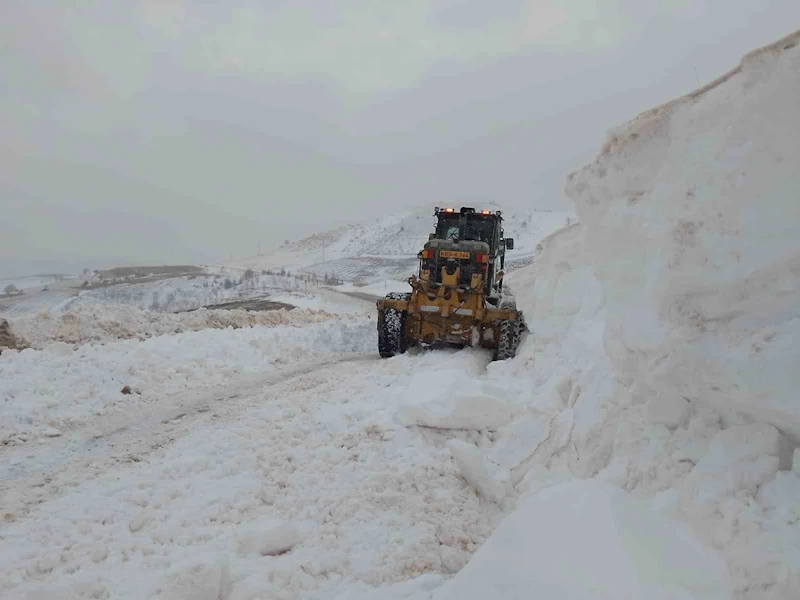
391 339
510 336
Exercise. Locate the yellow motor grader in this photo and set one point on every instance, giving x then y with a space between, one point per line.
457 297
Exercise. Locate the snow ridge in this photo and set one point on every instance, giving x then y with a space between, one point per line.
102 323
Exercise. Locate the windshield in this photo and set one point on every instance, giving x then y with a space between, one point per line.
480 230
477 229
447 228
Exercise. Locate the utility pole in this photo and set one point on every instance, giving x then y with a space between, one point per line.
696 75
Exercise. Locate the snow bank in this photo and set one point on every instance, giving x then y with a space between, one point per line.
665 333
692 216
585 540
61 386
105 323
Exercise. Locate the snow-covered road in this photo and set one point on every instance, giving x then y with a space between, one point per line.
181 499
30 474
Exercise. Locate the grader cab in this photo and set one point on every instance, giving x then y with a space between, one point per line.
457 297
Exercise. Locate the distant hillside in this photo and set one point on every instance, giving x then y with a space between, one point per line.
386 248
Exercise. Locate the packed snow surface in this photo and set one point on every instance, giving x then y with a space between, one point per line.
306 488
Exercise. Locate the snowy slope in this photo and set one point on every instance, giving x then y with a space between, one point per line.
665 339
386 248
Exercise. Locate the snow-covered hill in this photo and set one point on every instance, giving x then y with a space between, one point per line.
386 248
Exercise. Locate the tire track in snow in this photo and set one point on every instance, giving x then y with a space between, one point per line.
374 501
30 476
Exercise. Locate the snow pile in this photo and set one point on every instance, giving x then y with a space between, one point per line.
692 216
585 540
663 356
105 323
63 387
446 399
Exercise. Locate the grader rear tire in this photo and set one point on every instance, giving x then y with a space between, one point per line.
391 340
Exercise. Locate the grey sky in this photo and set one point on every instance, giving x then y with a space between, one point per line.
164 131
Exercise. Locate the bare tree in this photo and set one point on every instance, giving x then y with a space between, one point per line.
11 289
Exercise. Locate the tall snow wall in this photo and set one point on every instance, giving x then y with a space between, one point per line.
692 214
664 355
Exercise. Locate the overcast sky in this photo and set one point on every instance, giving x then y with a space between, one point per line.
171 130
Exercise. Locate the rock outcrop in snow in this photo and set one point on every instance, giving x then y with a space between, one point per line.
9 341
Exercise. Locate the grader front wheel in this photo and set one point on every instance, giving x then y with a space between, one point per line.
510 337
